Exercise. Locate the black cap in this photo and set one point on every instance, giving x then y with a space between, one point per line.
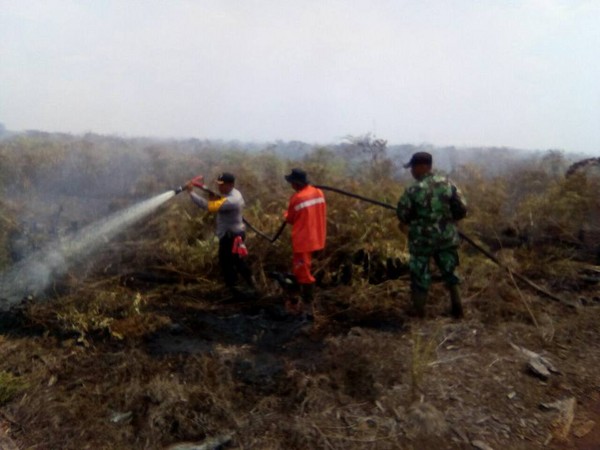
419 158
297 176
226 177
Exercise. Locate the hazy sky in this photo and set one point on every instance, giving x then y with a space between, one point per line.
459 72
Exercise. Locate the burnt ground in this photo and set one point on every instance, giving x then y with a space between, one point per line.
350 378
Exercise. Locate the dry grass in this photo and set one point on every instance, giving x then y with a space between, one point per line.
364 375
422 355
10 386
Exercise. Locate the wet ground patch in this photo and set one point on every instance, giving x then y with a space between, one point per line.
257 342
263 327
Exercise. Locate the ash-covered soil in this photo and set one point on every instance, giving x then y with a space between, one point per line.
246 375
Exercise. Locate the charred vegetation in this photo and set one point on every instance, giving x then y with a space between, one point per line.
139 346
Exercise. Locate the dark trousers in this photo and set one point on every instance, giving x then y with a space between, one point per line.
232 264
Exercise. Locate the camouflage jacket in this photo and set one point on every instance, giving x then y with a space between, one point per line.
431 206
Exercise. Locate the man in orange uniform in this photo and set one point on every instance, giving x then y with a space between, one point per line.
307 214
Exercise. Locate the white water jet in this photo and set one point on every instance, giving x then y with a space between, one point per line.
32 275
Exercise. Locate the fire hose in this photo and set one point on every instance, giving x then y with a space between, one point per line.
465 238
197 183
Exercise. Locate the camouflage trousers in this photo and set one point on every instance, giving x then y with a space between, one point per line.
420 274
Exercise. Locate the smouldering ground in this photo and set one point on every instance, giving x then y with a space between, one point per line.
356 378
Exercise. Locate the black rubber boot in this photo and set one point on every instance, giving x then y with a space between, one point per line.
419 298
251 283
456 309
307 291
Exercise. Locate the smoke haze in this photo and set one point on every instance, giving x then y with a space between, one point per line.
519 74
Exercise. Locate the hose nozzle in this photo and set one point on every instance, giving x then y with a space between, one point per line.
196 181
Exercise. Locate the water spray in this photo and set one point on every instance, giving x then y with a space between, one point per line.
34 274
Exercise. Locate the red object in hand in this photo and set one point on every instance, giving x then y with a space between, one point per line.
239 248
198 181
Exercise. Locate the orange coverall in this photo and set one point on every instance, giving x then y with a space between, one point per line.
306 213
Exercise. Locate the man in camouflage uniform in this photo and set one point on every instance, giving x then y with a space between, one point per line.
431 207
